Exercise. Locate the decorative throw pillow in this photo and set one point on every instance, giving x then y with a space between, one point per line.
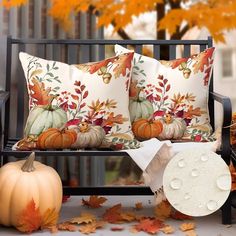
78 106
169 99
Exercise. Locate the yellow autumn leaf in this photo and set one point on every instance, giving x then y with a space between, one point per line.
187 226
163 210
85 217
49 218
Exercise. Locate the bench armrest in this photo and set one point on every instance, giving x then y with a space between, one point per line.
227 116
4 96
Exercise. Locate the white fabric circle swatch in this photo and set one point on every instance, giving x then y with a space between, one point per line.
197 182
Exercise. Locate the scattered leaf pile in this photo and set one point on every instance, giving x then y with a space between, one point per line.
86 223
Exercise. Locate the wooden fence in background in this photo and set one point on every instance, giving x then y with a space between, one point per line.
32 21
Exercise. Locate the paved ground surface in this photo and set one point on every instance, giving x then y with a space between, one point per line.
205 226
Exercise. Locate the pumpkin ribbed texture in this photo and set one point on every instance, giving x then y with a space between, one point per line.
18 188
145 129
56 139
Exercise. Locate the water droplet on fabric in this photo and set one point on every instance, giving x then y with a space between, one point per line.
212 205
176 183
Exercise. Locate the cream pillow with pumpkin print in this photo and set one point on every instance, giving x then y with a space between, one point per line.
78 106
173 92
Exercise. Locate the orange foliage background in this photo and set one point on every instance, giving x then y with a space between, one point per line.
216 15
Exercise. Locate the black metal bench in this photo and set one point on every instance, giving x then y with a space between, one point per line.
80 51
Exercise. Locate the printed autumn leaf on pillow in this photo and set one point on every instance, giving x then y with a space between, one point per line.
124 62
39 94
121 63
203 60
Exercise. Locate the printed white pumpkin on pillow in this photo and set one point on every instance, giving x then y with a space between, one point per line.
78 106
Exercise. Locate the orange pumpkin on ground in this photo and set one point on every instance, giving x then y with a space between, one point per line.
144 129
54 138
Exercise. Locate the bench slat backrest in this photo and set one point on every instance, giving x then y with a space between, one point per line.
74 52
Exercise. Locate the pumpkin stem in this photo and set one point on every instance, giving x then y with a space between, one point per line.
137 97
83 127
168 119
28 166
49 106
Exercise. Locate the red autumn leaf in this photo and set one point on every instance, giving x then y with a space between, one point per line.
161 84
158 113
65 198
77 83
64 106
82 105
165 81
78 91
177 62
151 226
73 122
159 90
29 219
85 94
73 105
160 77
167 87
82 87
94 201
75 97
96 66
39 93
165 98
113 214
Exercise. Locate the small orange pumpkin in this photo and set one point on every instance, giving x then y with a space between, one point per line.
145 129
54 138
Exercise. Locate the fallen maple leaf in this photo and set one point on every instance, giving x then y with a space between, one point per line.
168 229
187 226
151 226
180 216
190 233
29 219
138 205
117 228
91 227
67 226
113 214
128 216
94 201
49 219
163 210
84 218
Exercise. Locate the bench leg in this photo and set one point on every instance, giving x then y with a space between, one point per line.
227 212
